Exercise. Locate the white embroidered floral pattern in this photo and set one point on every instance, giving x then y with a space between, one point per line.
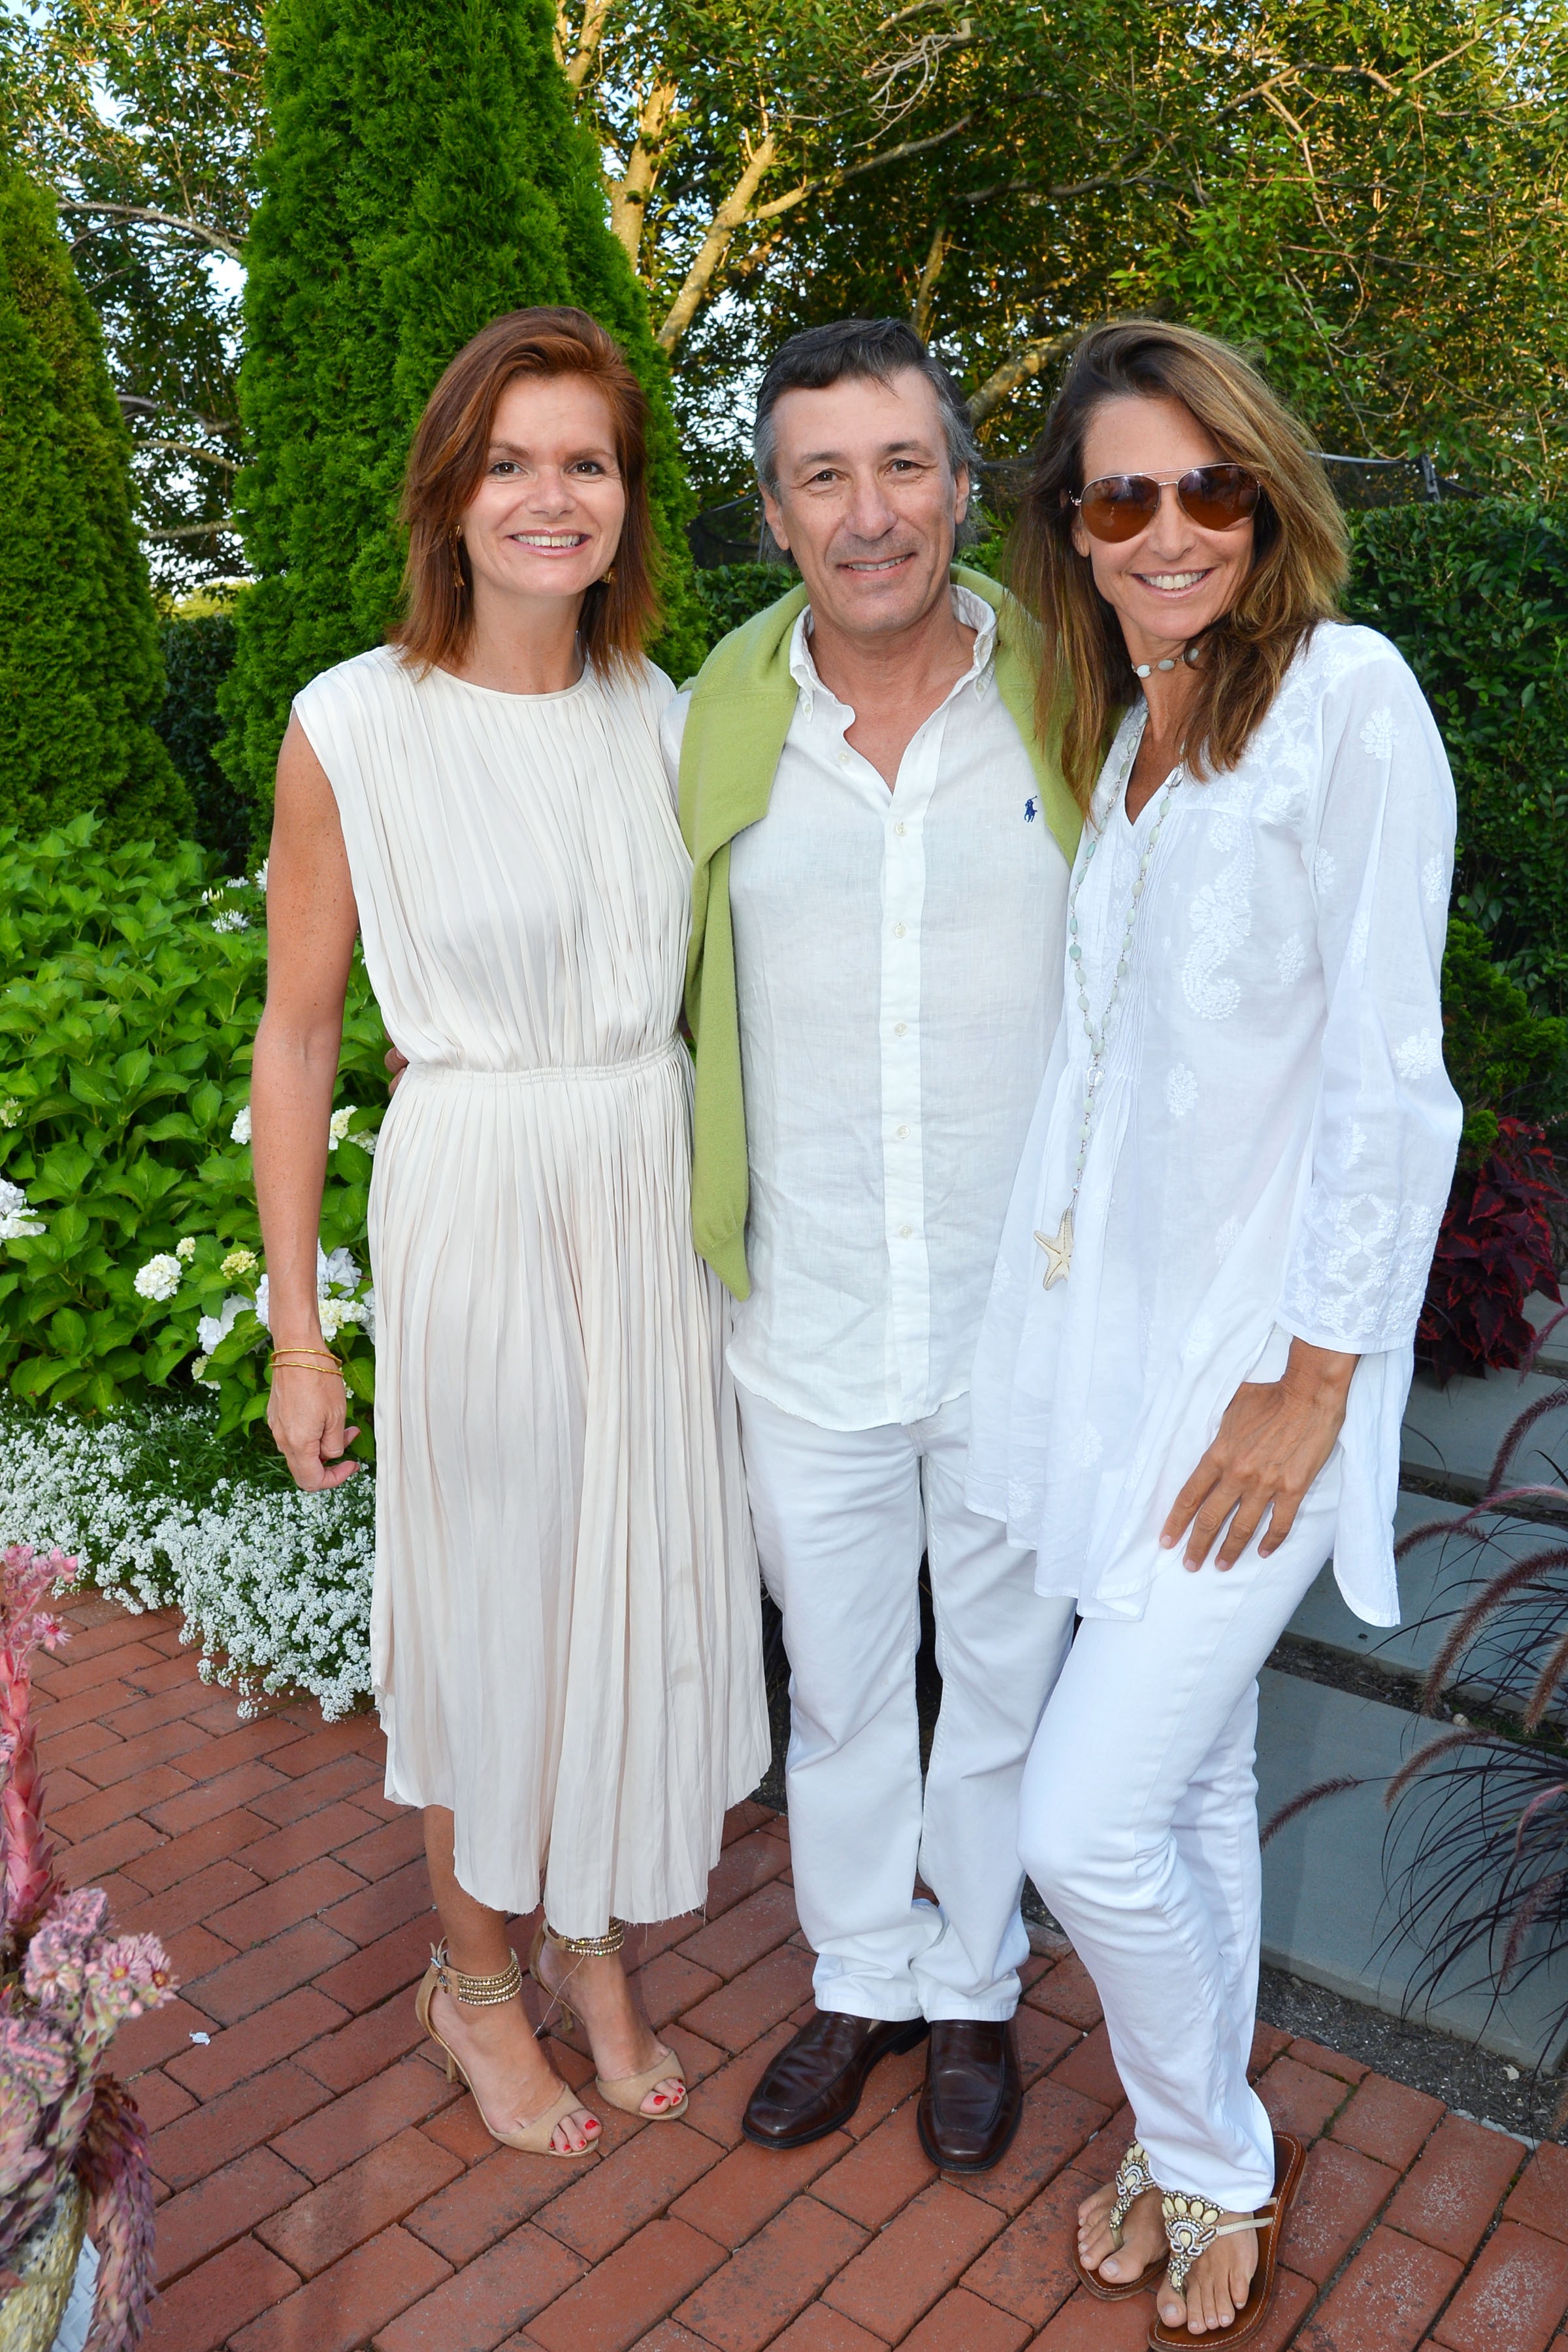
1291 960
1435 882
1181 1090
1417 1056
1377 737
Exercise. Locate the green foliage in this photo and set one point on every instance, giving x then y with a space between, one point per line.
425 175
130 994
1504 1058
1476 597
79 673
732 592
198 654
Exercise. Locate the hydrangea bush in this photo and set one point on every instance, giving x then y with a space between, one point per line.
165 1508
131 987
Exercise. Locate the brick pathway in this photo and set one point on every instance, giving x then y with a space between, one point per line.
322 2187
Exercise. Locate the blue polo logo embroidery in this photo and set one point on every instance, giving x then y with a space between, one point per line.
1031 810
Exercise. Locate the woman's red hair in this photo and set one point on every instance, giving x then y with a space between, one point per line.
446 464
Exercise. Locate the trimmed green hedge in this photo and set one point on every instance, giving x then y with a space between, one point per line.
198 653
1475 595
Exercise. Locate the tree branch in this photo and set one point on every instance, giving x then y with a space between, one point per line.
595 14
195 530
925 290
629 195
729 217
213 236
1020 370
192 450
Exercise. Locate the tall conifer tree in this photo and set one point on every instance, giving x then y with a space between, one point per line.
427 175
81 670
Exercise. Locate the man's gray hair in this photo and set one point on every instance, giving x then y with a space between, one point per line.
877 348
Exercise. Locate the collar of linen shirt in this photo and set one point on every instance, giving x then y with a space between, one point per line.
968 608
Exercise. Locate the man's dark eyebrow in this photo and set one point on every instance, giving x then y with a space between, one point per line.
887 449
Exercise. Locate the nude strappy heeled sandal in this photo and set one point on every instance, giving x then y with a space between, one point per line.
485 1992
626 2091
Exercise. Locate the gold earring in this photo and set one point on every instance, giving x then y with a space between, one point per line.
608 578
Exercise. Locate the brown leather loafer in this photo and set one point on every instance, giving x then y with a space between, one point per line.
814 2082
973 2098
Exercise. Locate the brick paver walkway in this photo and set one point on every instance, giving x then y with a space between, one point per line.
322 2187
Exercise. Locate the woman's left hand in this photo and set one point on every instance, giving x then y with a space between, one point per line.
1275 1438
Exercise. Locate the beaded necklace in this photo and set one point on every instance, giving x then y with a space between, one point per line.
1058 1247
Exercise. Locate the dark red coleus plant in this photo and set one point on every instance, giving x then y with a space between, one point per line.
1494 1248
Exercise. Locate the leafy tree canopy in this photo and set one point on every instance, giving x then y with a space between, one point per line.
1374 194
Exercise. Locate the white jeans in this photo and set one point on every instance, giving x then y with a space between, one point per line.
1139 1828
840 1515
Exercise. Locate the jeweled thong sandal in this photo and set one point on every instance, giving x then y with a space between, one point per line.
1133 2180
1193 2225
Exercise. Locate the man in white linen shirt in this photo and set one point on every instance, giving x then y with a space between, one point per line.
896 897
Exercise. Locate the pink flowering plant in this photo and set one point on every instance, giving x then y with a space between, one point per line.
67 1984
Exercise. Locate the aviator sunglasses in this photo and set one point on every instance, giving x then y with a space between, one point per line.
1119 506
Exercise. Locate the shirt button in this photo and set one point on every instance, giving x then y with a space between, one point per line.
903 1134
900 1028
844 759
900 828
905 1232
898 930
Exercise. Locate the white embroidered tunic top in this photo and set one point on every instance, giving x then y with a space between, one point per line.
897 964
1273 1138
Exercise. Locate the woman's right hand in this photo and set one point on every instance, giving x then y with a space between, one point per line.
306 1413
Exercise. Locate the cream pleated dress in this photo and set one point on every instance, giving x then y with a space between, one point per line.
566 1636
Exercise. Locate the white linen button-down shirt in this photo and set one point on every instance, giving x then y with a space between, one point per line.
899 959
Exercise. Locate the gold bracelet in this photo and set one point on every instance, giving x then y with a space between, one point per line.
305 1359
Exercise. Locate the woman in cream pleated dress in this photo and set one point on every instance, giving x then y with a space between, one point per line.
564 1628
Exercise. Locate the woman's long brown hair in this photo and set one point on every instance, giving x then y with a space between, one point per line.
446 464
1300 564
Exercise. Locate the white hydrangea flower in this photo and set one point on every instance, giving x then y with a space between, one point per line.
258 879
199 1372
213 1329
339 1124
16 1226
262 1302
334 1315
231 919
187 1248
10 1111
338 1272
240 1130
160 1277
237 1262
368 1139
11 1196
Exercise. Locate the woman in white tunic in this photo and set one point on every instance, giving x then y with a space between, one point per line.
1194 1367
564 1626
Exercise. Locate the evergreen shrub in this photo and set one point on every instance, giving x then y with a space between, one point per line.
427 174
80 676
1475 595
198 654
130 1249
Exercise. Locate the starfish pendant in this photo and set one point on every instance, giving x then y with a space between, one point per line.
1058 1247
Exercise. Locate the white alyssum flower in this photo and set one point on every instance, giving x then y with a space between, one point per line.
186 1249
274 1584
160 1277
238 1262
240 1132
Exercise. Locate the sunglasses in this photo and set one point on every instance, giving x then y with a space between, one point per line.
1119 506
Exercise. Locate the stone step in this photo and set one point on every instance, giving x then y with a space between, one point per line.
1454 1434
1326 1914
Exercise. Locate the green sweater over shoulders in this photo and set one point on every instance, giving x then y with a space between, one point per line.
742 704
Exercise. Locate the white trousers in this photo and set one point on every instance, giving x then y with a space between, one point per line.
1139 1828
842 1516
